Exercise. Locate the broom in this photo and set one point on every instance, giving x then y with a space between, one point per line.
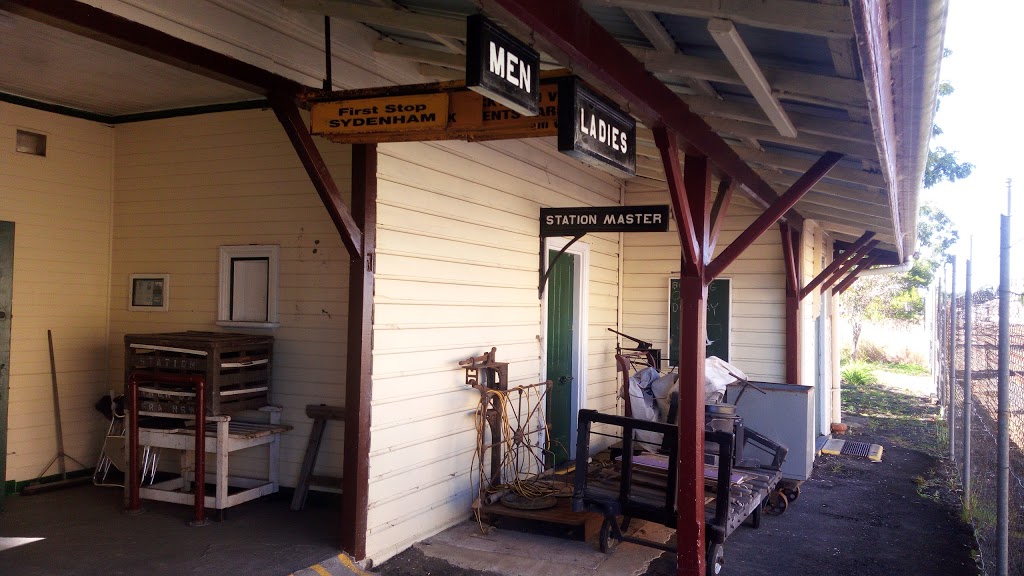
35 487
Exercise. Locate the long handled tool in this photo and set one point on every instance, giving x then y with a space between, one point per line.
36 487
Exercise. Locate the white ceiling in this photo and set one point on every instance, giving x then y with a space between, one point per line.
50 65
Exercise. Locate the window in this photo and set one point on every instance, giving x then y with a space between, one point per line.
248 286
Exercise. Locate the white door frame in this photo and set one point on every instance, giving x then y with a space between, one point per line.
580 325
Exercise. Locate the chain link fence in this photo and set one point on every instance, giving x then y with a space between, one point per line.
982 503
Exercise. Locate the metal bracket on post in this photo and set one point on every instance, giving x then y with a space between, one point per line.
545 270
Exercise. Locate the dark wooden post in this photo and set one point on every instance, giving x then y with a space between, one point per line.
358 386
791 255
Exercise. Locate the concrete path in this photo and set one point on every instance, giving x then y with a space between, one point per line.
513 553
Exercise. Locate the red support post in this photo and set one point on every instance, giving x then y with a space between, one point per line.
692 198
697 183
199 490
791 255
690 533
132 474
358 387
835 264
772 214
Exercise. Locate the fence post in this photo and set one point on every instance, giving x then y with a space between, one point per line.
968 400
940 348
1003 444
951 371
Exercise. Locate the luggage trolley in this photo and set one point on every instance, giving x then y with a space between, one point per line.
644 486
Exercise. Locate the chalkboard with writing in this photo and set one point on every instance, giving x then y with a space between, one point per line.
718 316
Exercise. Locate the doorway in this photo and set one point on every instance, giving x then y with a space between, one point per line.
6 294
565 304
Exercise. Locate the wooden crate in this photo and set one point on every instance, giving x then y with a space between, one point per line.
237 369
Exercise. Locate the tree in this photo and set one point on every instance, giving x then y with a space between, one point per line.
942 164
898 297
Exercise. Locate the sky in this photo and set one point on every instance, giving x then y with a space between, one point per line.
983 122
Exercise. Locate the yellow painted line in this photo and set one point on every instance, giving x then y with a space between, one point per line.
320 570
347 563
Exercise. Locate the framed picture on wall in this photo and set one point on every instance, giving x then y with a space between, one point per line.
148 292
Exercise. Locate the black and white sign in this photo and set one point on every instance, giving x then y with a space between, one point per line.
501 67
586 219
594 131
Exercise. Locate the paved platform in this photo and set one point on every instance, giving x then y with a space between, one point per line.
82 531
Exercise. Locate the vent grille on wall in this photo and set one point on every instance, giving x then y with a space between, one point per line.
30 143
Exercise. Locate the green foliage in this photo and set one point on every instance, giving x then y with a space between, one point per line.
936 234
900 298
859 374
943 165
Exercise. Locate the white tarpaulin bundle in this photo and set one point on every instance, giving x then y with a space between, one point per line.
650 393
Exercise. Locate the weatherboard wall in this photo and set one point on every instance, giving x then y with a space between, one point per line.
186 186
758 328
456 274
60 205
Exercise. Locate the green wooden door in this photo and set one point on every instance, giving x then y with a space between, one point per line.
6 292
560 358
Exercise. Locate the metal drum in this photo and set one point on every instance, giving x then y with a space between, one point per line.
721 417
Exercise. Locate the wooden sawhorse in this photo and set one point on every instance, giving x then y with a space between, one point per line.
320 413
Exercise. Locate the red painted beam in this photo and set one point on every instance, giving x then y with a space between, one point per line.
790 247
288 114
688 239
355 497
836 263
866 262
85 20
718 212
770 216
565 30
855 258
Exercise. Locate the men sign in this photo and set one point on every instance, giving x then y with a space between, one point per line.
501 67
586 219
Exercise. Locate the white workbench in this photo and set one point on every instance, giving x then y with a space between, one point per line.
224 437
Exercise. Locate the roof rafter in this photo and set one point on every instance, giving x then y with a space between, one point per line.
736 52
787 15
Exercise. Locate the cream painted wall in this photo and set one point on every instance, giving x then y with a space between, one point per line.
758 290
457 274
61 207
186 186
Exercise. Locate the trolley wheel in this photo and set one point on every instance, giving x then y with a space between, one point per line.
715 559
792 493
776 503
